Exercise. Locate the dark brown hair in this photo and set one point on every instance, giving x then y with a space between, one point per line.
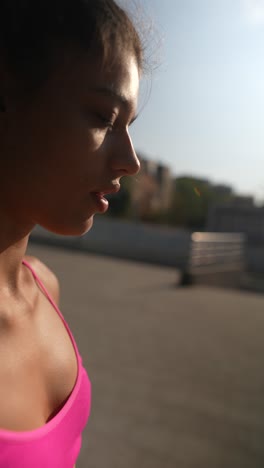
32 30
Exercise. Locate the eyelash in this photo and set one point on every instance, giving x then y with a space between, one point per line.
107 123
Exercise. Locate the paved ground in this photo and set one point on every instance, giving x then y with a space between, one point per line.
177 374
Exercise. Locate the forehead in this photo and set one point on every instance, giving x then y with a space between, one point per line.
120 82
79 74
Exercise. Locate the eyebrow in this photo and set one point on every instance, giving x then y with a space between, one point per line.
109 91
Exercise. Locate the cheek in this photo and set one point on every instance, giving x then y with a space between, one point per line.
70 141
83 155
60 148
80 154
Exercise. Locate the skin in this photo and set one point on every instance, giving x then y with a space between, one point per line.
58 147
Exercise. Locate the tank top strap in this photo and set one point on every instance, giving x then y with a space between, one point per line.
41 285
45 291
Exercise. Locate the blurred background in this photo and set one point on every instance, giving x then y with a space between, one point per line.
165 294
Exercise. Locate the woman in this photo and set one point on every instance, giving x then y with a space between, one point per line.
69 83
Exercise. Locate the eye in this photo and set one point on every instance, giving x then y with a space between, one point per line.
133 120
106 122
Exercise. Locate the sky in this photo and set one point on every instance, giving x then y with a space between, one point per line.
202 105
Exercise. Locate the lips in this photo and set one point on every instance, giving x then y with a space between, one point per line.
108 191
101 202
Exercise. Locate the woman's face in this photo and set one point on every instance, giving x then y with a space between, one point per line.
70 144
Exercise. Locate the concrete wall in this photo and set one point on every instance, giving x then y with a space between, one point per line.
129 240
255 258
123 239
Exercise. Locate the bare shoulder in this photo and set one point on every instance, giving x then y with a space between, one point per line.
46 275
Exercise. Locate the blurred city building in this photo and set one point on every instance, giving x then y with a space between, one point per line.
152 188
222 190
238 215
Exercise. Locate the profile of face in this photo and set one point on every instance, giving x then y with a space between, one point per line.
70 145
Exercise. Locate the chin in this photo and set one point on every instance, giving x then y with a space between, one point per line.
88 225
73 230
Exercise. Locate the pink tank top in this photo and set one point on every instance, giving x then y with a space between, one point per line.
56 444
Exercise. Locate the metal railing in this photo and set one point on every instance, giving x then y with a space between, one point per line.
214 253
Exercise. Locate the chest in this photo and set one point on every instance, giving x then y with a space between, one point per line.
38 370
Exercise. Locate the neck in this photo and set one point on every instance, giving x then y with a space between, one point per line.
13 245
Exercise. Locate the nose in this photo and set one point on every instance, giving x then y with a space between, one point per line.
125 160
